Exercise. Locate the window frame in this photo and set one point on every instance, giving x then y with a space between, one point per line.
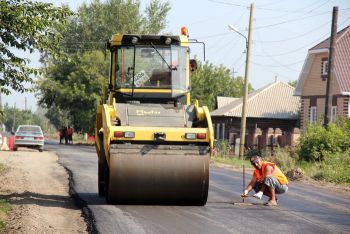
324 65
313 114
333 113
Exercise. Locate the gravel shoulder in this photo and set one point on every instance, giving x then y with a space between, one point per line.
38 189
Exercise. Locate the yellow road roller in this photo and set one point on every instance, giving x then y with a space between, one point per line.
153 144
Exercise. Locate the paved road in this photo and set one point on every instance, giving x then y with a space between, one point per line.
303 209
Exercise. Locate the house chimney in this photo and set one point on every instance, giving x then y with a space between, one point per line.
275 79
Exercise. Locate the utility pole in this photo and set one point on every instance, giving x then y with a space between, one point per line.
25 103
245 86
329 85
233 72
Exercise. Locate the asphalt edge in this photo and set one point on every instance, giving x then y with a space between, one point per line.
89 217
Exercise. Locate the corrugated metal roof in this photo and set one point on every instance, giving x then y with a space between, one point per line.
275 101
341 61
223 101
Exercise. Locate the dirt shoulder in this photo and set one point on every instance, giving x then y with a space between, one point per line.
37 188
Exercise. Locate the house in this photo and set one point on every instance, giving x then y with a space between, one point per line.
270 109
311 86
223 101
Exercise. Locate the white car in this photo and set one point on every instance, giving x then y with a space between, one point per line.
29 136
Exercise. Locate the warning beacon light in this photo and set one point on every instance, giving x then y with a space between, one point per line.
184 31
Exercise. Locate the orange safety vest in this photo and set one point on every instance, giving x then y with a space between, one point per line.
277 173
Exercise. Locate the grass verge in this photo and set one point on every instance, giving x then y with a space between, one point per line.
233 161
335 169
4 207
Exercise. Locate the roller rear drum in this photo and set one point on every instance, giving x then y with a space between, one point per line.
158 174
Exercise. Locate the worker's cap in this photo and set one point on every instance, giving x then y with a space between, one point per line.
254 159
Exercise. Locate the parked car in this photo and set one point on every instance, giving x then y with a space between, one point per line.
29 136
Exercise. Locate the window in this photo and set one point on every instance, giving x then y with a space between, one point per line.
141 67
334 113
324 67
349 108
313 114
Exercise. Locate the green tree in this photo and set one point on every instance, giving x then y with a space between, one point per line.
293 83
210 81
96 22
15 117
75 92
75 86
27 26
155 19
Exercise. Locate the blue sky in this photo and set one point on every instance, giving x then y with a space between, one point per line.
283 31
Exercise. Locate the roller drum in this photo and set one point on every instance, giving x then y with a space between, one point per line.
158 174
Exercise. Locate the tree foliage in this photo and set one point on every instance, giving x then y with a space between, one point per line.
293 83
96 22
210 81
74 87
15 117
26 26
155 19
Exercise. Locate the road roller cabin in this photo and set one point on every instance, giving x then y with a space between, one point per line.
153 145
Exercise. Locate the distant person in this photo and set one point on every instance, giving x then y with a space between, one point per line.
267 179
65 132
193 65
62 134
70 134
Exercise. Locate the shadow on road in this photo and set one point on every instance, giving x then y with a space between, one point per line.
39 199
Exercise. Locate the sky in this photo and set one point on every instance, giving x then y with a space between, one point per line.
282 33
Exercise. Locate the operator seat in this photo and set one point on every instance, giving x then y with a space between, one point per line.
161 75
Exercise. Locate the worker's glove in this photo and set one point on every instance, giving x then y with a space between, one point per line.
245 193
258 195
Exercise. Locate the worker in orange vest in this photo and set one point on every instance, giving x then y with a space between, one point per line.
267 179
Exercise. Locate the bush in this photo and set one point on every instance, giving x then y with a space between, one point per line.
318 142
252 152
223 148
286 158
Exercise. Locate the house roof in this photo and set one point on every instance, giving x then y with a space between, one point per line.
223 101
274 101
325 43
341 61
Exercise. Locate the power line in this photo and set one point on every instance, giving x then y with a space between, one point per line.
292 38
276 61
240 66
214 35
322 38
279 64
273 72
289 21
274 17
270 4
261 8
209 18
229 50
239 19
